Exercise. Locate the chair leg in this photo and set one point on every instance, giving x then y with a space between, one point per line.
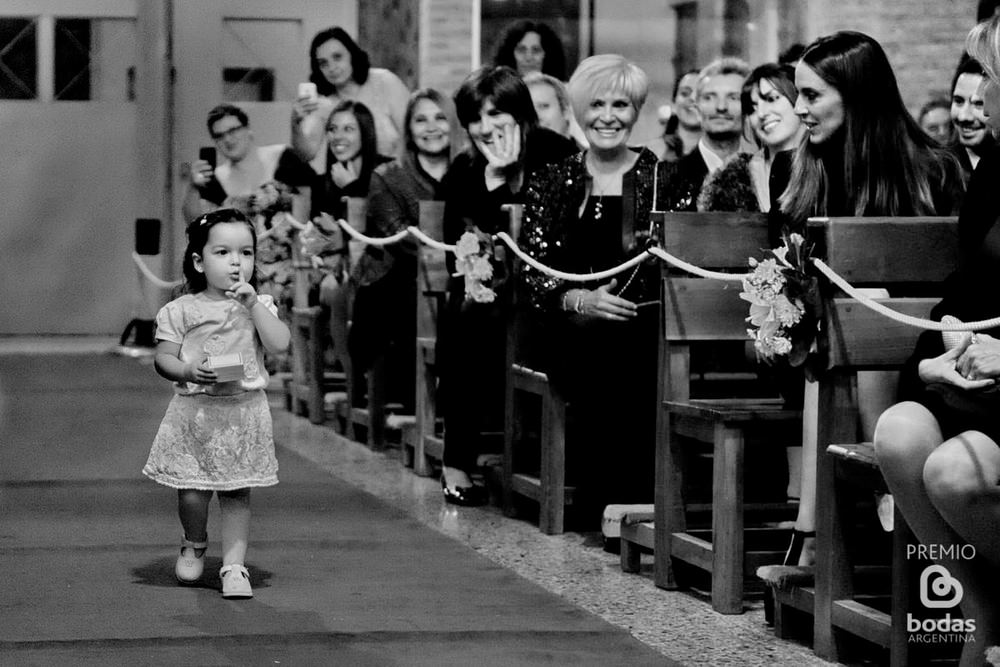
314 370
552 512
424 408
727 521
376 404
630 556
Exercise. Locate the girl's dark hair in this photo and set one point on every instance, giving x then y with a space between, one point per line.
884 163
197 235
554 63
781 76
359 59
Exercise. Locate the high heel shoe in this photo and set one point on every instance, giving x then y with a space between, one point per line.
466 496
794 552
798 576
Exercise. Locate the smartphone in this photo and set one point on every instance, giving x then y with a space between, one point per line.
211 191
308 89
207 153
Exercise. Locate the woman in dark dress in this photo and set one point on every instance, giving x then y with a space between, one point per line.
508 149
864 155
939 449
588 213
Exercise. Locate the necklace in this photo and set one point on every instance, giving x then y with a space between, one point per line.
600 187
599 190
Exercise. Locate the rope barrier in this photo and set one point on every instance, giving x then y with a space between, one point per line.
150 276
434 243
897 316
830 274
696 270
371 240
571 277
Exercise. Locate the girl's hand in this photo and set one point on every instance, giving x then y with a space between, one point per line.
980 359
601 304
199 372
945 369
242 292
344 173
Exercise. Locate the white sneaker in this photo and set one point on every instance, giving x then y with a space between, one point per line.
235 582
190 566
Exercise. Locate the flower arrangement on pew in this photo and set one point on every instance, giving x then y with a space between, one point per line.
474 259
786 306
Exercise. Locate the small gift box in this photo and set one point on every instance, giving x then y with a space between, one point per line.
227 367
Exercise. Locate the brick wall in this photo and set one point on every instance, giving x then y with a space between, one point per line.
923 38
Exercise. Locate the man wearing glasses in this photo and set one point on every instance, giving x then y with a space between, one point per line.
266 183
248 177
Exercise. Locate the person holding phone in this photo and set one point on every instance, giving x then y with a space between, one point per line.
259 181
341 72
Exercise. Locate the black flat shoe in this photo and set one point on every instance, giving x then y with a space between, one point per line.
466 496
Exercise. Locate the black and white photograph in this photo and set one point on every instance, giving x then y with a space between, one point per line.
433 333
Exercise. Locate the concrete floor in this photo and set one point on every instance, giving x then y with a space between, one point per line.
607 617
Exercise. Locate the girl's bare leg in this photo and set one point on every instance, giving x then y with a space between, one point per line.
235 507
192 507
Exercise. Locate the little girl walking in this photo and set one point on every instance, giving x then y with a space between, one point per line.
216 434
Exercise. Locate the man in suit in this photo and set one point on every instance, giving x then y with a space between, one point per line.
718 97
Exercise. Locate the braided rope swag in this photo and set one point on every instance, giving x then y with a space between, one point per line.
783 290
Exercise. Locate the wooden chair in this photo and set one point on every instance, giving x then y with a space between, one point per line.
698 311
423 445
547 487
860 250
363 410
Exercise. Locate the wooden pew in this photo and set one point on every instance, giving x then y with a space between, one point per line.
705 311
913 255
363 410
547 488
422 444
310 380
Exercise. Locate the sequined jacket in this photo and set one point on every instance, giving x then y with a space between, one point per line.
680 182
552 205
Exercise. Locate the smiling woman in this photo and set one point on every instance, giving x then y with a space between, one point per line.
508 150
588 213
865 154
753 182
386 278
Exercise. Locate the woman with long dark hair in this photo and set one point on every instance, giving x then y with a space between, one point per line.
863 155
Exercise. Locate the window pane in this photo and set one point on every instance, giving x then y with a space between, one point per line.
18 59
94 59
